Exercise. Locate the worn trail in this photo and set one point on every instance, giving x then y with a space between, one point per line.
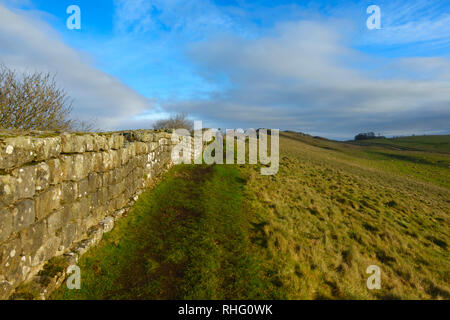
187 239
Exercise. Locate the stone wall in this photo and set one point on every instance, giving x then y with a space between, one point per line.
56 188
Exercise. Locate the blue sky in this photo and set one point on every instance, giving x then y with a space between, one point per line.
311 66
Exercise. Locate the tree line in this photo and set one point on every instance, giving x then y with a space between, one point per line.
368 135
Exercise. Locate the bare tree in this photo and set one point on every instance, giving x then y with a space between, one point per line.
179 121
33 101
84 125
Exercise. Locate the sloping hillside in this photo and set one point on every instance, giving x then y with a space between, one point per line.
335 208
309 232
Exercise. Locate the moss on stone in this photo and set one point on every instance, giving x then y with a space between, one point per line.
49 135
25 292
53 267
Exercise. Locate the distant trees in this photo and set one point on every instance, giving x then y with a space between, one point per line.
33 101
367 136
179 121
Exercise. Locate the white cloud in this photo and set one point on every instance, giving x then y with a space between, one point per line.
305 77
29 44
301 76
426 68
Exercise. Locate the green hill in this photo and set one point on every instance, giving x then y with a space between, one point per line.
440 144
309 232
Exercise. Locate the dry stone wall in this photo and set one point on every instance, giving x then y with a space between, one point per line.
55 188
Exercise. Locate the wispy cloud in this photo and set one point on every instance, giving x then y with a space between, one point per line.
29 44
187 17
301 77
411 22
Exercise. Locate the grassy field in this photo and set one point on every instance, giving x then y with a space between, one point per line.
309 232
439 144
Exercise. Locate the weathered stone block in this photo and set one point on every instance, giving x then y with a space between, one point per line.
121 200
67 143
110 207
103 195
66 165
56 220
100 143
150 157
68 234
141 147
6 288
115 155
80 169
107 161
73 143
96 215
42 176
118 141
141 160
116 189
153 146
79 143
24 214
32 238
105 178
127 153
84 207
16 151
26 181
47 148
8 190
89 142
69 191
94 182
48 201
124 155
107 224
128 168
46 251
74 167
97 161
56 171
116 175
76 211
110 141
83 188
71 212
10 258
6 223
145 136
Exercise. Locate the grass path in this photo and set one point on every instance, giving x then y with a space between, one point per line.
187 239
